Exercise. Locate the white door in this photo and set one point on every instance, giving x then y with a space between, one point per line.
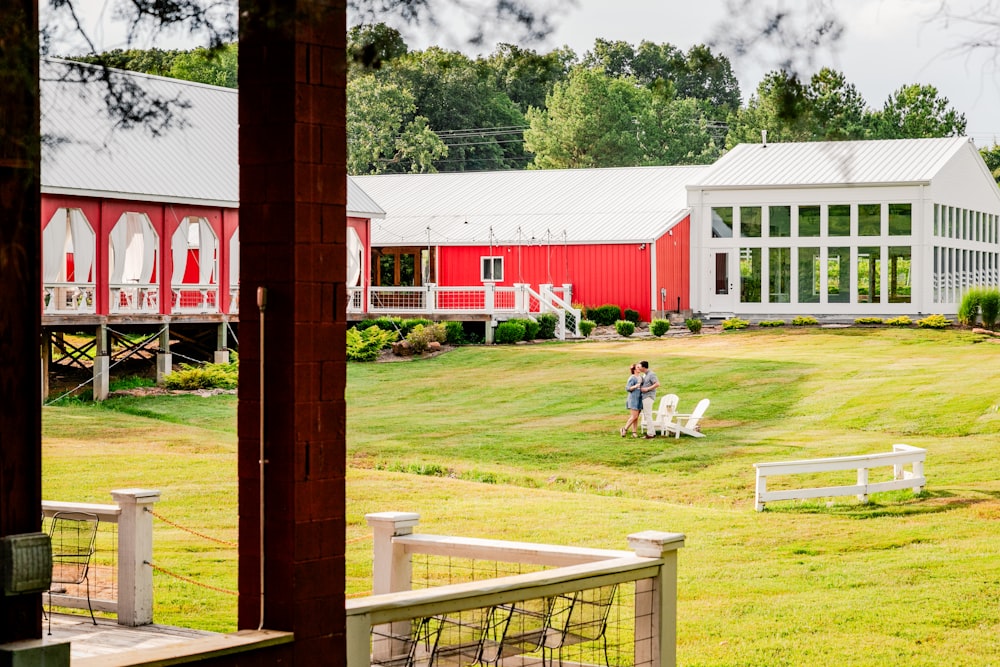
722 294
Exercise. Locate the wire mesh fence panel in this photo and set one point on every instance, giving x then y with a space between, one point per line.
460 299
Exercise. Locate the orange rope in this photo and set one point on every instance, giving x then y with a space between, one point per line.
193 532
157 568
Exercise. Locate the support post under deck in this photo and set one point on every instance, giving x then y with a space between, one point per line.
102 364
222 344
164 359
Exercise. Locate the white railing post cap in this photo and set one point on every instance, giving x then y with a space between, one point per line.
397 519
654 543
140 495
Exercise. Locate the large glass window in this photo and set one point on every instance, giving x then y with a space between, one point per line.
722 222
839 220
869 270
900 216
750 222
780 275
808 220
838 275
750 275
780 221
899 274
869 219
810 275
937 219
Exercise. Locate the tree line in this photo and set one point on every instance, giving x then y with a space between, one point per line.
617 105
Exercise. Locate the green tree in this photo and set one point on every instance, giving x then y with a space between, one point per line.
916 111
372 45
991 156
837 109
382 131
781 107
526 75
479 123
219 67
147 61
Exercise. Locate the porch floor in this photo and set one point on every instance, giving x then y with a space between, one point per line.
107 638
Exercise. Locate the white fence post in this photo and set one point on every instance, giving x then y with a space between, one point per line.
431 304
656 600
567 294
391 572
135 555
489 298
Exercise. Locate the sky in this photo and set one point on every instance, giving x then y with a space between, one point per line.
886 44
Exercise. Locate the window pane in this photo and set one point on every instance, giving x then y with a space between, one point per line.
722 222
722 273
487 269
498 269
899 274
780 221
869 219
840 220
869 270
780 274
387 270
808 220
750 275
750 217
900 219
838 275
810 273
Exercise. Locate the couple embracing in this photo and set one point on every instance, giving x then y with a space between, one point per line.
641 394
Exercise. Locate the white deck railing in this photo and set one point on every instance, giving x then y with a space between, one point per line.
652 566
68 298
519 300
134 298
133 601
195 298
900 456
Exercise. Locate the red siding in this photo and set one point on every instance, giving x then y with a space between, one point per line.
599 274
673 267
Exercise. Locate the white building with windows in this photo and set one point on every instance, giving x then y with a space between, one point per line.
843 229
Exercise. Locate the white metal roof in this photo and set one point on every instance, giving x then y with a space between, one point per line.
615 205
830 163
194 162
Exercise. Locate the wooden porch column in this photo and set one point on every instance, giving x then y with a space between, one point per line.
656 600
293 231
20 299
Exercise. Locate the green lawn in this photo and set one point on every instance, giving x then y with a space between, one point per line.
521 443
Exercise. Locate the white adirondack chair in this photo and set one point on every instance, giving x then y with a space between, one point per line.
664 413
688 424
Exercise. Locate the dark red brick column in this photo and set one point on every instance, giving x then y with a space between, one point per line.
20 298
293 229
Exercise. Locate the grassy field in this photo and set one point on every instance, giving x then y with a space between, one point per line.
521 443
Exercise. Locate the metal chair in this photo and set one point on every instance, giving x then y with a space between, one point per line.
406 644
74 536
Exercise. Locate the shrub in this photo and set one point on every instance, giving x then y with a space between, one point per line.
509 332
605 315
530 328
406 326
804 320
734 323
547 325
772 323
587 327
422 336
901 321
632 315
454 333
869 320
384 323
625 328
659 327
968 309
990 307
693 324
364 344
439 332
207 376
934 322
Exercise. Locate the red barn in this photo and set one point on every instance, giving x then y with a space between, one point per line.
618 235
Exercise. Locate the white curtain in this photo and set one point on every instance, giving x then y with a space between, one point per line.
84 246
355 257
119 245
54 248
149 243
206 253
179 251
234 258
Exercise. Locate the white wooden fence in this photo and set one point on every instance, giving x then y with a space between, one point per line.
519 300
900 456
134 601
652 565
